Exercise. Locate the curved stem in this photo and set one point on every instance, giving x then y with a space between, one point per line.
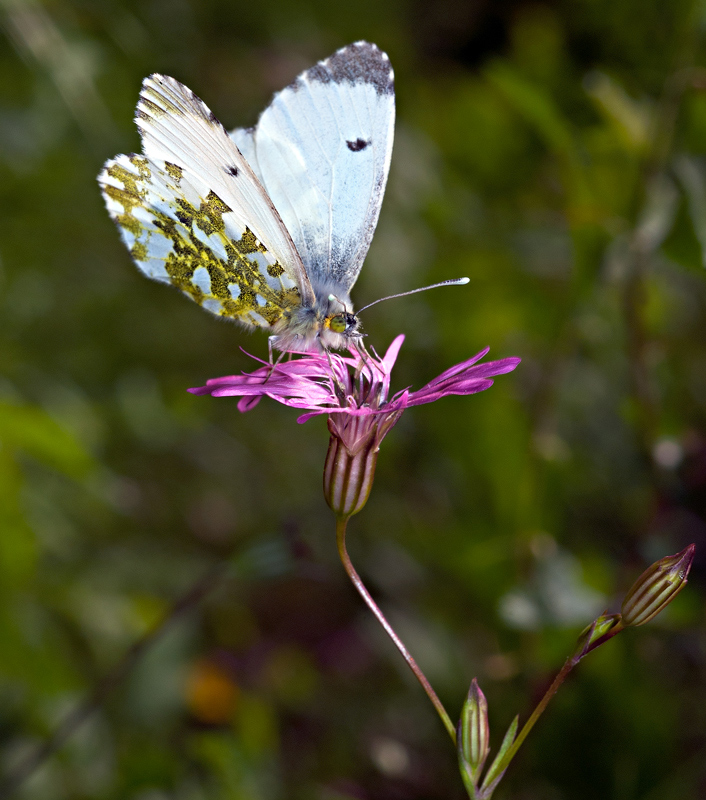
535 715
341 525
499 768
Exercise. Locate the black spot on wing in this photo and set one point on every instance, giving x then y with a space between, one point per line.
358 145
232 171
361 62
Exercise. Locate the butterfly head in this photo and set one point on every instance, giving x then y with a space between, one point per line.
345 323
339 325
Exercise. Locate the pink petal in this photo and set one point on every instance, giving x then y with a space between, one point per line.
246 404
390 357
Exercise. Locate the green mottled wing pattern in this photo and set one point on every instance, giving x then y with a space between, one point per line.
192 213
177 230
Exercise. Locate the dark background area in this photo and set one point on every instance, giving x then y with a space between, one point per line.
554 153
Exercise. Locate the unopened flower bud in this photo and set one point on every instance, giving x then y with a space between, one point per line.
473 730
599 631
656 587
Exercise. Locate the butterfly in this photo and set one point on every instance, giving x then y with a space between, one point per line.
267 226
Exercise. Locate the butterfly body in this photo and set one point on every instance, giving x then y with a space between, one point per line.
267 226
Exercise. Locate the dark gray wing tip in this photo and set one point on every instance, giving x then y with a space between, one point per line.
361 62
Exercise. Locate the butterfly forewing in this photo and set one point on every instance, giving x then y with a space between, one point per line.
322 151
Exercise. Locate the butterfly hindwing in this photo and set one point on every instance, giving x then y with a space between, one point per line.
180 231
193 213
322 151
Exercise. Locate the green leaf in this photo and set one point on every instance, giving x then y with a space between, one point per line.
691 175
631 120
493 775
30 430
18 549
535 105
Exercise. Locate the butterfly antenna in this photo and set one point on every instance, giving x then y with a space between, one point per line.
333 297
452 282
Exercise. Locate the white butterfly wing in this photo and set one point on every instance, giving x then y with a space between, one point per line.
322 151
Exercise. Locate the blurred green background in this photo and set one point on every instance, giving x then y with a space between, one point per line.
554 153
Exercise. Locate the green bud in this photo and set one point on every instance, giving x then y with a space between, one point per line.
596 633
657 587
473 730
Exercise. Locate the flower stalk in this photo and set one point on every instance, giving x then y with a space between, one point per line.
658 585
341 526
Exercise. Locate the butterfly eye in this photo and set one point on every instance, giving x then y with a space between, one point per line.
339 323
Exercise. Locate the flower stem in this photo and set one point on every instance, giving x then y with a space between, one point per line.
341 525
569 664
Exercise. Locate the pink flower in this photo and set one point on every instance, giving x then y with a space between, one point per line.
354 385
353 391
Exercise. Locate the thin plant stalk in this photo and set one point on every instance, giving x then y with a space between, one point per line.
341 526
569 664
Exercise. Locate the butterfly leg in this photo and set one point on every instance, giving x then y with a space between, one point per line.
270 347
274 362
367 364
338 386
